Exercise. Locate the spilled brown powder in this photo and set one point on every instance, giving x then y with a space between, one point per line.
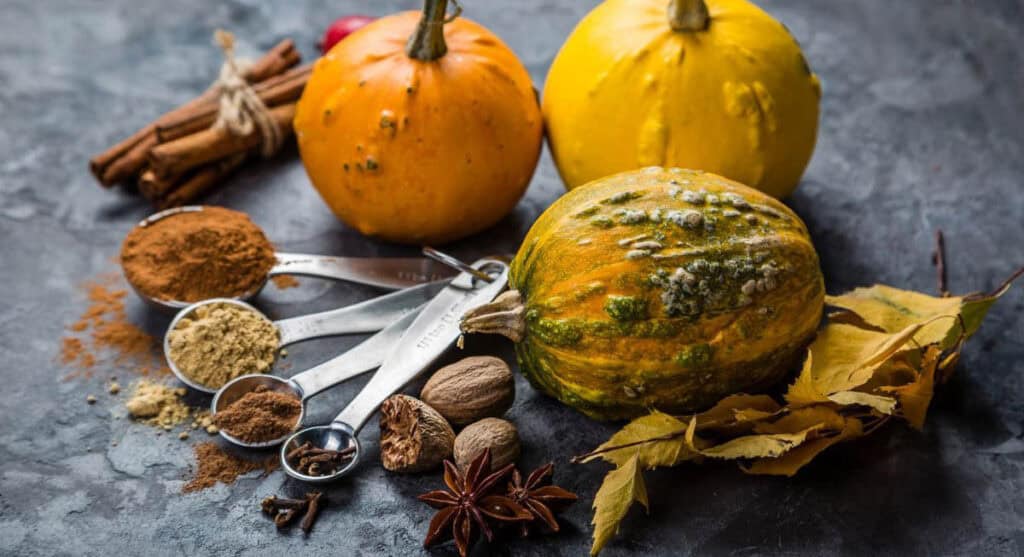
214 464
260 415
103 332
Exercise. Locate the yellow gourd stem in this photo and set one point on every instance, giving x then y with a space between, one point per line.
427 43
688 15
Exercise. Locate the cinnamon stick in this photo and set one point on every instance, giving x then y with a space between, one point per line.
126 159
278 90
153 187
212 144
200 182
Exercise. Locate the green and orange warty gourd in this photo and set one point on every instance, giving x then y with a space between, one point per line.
658 288
717 85
420 129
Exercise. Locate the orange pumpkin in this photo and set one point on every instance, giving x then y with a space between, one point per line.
420 129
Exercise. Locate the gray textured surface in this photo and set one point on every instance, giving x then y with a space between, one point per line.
921 129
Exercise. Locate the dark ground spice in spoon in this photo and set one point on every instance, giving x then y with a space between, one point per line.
197 255
260 415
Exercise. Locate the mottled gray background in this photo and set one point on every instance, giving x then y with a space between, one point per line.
921 129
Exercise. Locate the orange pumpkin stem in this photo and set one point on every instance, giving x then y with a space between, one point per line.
427 43
688 15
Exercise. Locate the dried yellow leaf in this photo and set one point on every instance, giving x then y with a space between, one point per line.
883 404
789 463
844 357
824 417
654 451
892 310
915 397
620 488
740 407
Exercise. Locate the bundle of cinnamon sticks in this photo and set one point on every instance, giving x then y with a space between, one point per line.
180 156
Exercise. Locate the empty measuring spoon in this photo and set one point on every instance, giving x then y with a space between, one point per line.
433 332
391 273
362 358
365 317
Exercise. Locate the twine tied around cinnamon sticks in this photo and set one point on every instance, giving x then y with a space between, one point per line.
241 110
190 150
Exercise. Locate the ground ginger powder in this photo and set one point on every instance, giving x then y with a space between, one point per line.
218 342
158 404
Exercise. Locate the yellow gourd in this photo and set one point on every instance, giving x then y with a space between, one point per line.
658 288
712 84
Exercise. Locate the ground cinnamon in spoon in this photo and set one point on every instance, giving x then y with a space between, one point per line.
260 415
197 255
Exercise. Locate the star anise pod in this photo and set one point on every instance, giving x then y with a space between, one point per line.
469 502
541 501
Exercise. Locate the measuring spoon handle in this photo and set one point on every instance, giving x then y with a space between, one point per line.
391 273
364 357
436 329
365 317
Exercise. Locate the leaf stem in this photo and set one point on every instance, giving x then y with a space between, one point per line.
939 260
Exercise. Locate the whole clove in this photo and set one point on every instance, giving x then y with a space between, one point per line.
285 511
315 461
311 511
285 517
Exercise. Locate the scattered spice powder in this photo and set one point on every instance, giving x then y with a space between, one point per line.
284 282
197 255
104 327
260 415
218 342
158 405
214 464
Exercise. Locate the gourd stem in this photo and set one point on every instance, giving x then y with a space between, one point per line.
427 42
688 15
505 316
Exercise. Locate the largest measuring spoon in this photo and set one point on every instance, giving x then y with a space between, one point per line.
433 332
391 273
365 317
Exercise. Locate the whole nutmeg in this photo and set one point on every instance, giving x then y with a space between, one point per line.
471 389
413 436
494 433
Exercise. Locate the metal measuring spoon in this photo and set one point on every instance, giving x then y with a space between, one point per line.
362 358
433 332
391 273
365 317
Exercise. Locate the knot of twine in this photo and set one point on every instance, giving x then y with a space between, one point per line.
241 110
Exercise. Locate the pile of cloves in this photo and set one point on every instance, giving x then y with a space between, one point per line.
315 461
284 511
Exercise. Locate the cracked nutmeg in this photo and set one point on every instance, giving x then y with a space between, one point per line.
413 436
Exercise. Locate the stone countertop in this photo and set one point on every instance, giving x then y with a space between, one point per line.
921 129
